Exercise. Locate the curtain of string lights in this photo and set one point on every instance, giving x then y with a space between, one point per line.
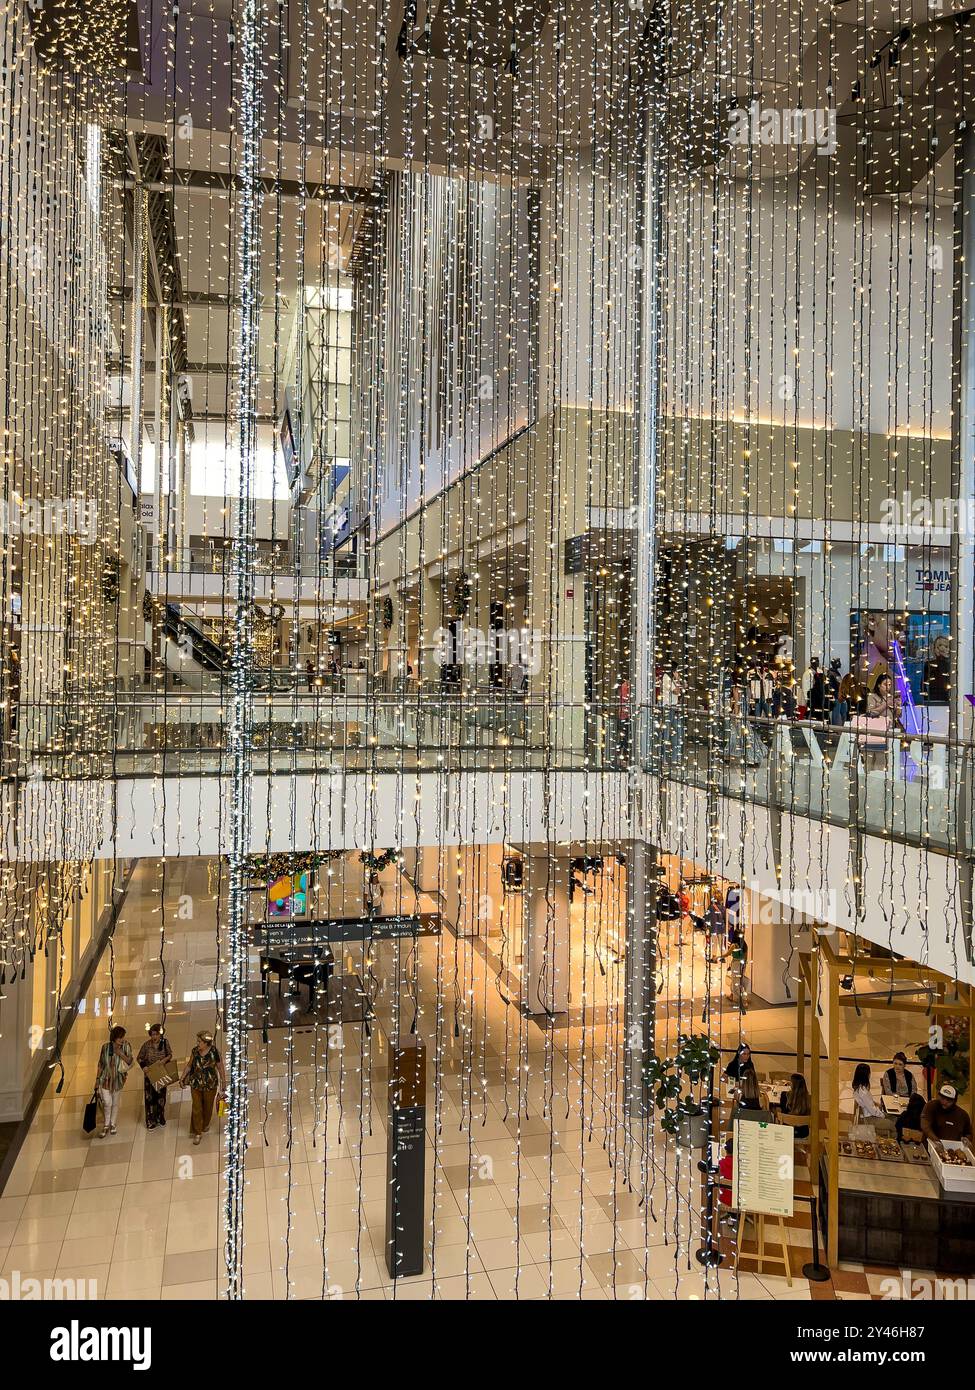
606 334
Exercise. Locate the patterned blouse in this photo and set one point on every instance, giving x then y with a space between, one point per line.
203 1070
113 1067
151 1052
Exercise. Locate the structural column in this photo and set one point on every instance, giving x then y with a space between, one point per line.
546 952
963 533
963 451
15 1042
641 956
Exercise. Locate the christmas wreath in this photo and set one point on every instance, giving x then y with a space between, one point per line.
271 867
375 863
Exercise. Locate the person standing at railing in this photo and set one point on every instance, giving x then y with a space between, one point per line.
624 717
883 712
739 747
737 959
768 690
671 701
783 698
851 695
883 702
755 702
837 715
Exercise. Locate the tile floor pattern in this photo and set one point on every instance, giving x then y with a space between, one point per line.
531 1210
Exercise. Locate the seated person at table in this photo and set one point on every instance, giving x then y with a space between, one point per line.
943 1118
869 1109
897 1080
725 1170
750 1098
797 1101
909 1119
740 1064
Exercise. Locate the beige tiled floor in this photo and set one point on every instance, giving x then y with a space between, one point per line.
527 1159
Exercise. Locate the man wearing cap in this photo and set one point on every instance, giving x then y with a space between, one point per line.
943 1118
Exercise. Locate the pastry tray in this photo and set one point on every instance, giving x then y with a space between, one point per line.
895 1154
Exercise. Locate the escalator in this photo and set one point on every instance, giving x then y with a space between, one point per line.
186 630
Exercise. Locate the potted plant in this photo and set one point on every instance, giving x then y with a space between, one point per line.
949 1064
668 1078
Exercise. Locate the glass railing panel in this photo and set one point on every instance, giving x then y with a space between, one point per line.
914 790
141 733
885 783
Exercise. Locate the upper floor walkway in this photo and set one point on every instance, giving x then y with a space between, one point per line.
915 789
874 838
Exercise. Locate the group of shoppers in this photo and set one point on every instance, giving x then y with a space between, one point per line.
749 692
204 1073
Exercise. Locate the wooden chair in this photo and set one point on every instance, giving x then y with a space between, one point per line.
796 1121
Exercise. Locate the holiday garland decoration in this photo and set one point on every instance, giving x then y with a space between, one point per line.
267 868
376 862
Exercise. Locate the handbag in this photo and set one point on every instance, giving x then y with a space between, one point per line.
871 731
91 1113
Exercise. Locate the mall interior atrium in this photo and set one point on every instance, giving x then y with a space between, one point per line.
487 650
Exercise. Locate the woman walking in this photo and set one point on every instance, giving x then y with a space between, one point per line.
114 1062
155 1049
207 1079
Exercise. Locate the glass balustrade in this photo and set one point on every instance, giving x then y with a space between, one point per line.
917 790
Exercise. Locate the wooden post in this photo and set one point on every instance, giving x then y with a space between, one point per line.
815 1049
801 1021
833 1106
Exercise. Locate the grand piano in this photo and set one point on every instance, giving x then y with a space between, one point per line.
310 966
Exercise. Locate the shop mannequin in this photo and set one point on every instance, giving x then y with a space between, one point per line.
671 700
814 689
757 706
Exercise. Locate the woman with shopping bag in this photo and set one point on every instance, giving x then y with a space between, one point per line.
114 1062
154 1050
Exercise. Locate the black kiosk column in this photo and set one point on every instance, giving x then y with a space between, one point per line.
405 1156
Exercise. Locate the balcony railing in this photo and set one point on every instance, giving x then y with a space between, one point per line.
914 789
917 790
218 562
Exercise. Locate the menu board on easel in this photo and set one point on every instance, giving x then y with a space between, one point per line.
763 1170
